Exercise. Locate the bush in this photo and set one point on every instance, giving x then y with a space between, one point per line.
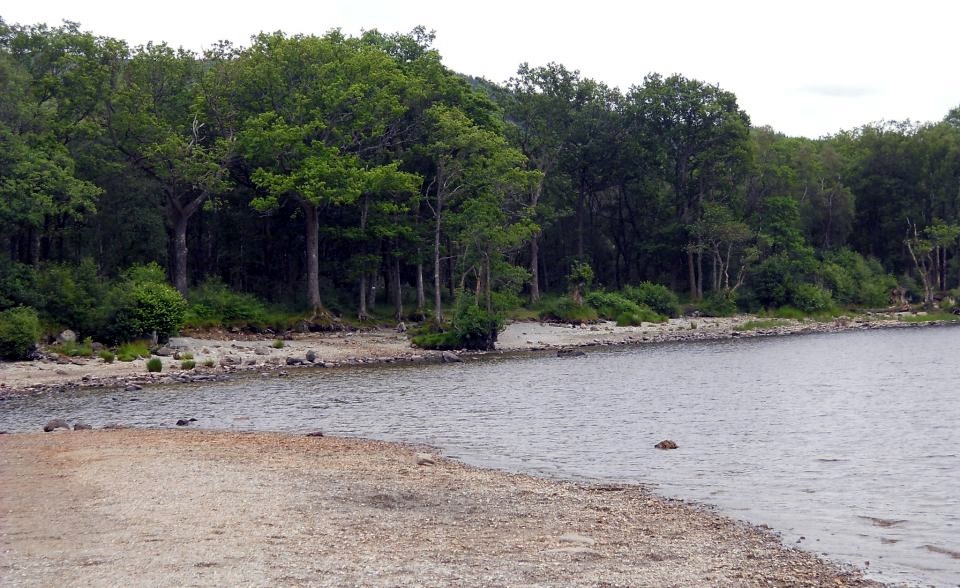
655 296
107 356
214 304
635 319
278 344
188 364
721 303
472 327
19 332
610 305
856 280
154 365
565 310
186 356
810 299
209 363
142 305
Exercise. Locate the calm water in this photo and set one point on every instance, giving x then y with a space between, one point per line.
850 441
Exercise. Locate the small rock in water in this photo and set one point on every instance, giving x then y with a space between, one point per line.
56 424
82 427
133 388
570 353
425 459
315 434
183 422
666 444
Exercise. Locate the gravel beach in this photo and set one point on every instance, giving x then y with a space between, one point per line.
187 508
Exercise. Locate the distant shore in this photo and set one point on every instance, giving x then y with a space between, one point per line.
228 354
165 508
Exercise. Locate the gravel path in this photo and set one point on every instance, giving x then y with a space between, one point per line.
186 508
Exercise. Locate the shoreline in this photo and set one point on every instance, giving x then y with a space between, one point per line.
249 355
270 508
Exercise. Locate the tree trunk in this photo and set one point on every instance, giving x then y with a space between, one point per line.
362 312
437 304
397 291
313 257
699 274
535 269
421 294
179 269
692 274
487 290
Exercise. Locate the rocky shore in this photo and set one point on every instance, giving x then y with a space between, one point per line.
220 355
173 508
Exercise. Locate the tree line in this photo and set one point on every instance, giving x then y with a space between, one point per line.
336 173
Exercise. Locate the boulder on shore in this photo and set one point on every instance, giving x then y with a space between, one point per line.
56 424
67 336
449 357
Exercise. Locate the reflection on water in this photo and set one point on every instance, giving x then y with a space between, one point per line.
845 443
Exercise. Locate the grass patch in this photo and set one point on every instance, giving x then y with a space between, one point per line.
929 317
209 363
154 365
133 350
186 356
188 364
278 344
74 348
107 356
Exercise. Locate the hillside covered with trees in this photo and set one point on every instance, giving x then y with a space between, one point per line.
317 177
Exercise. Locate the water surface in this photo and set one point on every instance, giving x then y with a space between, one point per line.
845 443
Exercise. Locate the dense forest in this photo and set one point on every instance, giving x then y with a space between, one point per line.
357 178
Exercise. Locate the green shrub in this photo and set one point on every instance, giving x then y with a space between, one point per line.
720 303
855 280
278 344
186 356
610 305
787 312
133 350
141 306
655 296
637 318
209 363
565 310
810 299
760 324
471 327
154 364
19 332
188 364
107 356
214 304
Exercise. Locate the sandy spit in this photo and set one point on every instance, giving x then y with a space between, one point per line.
189 508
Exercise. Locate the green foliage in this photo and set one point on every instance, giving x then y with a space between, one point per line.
580 277
186 356
855 280
638 317
563 309
471 327
610 305
209 363
656 296
142 304
188 364
133 350
154 364
107 356
720 303
214 305
19 332
787 312
278 344
811 299
75 348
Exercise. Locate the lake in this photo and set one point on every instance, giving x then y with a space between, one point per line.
848 444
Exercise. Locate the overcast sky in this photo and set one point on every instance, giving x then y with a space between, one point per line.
810 67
